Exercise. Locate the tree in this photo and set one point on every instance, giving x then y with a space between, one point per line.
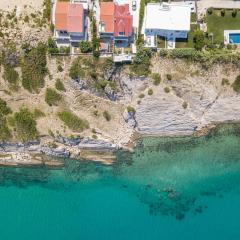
85 46
198 40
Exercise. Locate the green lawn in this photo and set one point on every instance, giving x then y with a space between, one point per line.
183 43
216 24
193 17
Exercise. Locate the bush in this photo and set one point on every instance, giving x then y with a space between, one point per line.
4 109
234 13
236 84
107 115
223 12
5 133
156 79
169 77
10 74
131 110
52 97
142 62
142 95
225 81
210 11
184 105
25 125
37 113
60 69
59 85
52 46
150 92
198 40
85 46
34 68
72 121
166 89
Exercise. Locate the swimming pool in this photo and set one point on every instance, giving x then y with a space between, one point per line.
234 38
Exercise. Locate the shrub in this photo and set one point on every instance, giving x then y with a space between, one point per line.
72 121
59 85
10 74
225 81
37 113
60 69
107 115
52 97
236 84
5 133
131 110
223 12
210 11
34 68
150 92
142 62
4 109
198 40
52 46
234 13
142 95
166 89
25 125
169 77
184 105
156 79
85 46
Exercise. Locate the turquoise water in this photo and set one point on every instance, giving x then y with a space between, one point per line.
234 38
169 188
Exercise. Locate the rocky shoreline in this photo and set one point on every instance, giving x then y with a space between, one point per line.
44 153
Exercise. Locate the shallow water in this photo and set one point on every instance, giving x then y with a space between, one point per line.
169 188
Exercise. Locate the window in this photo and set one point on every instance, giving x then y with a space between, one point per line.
121 34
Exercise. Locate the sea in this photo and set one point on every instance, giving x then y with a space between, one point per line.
185 188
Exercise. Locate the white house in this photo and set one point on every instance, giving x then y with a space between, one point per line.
166 20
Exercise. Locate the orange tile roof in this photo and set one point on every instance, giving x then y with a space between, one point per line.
107 15
69 17
116 18
123 20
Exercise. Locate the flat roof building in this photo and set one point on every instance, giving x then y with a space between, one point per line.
167 20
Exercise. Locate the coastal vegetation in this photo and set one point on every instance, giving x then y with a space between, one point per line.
92 71
52 97
59 85
107 115
73 121
236 84
142 62
25 125
34 68
5 132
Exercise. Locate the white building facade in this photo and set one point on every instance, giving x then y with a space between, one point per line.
170 21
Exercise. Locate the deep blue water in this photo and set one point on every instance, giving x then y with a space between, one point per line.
169 188
234 38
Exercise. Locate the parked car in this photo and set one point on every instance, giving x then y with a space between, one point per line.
134 5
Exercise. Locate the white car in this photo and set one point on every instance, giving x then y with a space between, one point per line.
134 5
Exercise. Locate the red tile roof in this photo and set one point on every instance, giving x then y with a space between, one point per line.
107 16
123 20
116 18
69 17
